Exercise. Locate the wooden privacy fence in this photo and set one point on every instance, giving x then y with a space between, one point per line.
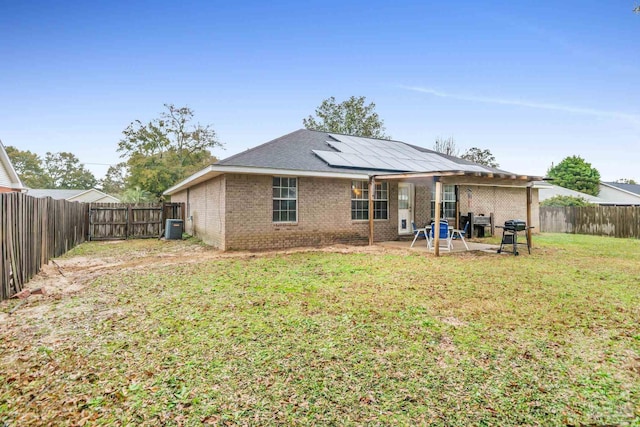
613 221
32 231
113 221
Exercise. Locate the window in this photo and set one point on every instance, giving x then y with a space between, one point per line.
360 200
285 199
448 201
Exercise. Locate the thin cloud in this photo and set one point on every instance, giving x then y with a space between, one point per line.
539 105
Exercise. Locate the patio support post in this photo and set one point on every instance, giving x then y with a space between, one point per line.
372 189
529 201
436 231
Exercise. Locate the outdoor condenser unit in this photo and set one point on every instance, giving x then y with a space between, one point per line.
173 229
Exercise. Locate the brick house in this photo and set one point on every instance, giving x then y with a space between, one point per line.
9 179
311 188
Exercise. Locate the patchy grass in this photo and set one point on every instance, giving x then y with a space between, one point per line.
327 338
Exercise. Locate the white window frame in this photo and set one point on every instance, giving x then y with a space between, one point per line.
448 200
360 200
282 193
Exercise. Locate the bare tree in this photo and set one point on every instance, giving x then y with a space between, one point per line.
446 146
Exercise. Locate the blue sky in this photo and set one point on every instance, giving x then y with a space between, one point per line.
533 82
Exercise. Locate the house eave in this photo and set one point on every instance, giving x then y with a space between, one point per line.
16 183
213 171
459 174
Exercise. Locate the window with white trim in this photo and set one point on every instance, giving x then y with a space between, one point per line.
285 199
448 208
360 200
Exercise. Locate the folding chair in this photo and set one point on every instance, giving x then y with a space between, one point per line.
417 232
459 234
444 236
463 232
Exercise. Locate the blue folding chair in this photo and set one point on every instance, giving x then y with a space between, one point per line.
417 232
464 231
444 236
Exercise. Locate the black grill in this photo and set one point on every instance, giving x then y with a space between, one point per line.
515 225
510 235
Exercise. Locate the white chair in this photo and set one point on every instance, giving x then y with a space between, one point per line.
459 234
417 232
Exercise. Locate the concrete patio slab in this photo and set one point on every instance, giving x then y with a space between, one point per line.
458 246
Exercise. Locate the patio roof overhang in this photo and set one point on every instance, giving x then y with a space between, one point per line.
461 176
497 178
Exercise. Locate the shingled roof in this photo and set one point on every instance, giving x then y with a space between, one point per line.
314 153
299 151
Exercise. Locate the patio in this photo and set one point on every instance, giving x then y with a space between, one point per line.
457 178
458 246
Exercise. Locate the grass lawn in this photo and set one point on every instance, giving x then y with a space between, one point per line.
171 333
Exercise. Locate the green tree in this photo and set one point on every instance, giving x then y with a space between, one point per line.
115 179
576 174
561 201
483 157
136 195
56 170
64 170
28 166
166 150
350 117
446 146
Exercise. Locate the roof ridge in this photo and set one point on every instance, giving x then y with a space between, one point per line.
248 150
357 136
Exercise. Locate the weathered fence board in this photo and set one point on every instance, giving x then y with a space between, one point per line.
613 221
111 221
32 231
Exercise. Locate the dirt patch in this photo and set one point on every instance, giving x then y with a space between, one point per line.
69 275
453 321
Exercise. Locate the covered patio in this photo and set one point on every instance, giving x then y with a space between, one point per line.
458 178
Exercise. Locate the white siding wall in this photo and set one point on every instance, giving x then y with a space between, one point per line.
612 195
5 181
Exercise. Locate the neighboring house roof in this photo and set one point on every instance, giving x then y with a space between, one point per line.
620 194
87 196
8 176
314 153
630 188
547 191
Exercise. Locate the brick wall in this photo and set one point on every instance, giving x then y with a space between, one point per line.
324 215
234 211
422 205
504 202
205 211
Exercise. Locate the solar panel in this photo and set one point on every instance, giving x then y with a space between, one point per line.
377 154
342 147
332 158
